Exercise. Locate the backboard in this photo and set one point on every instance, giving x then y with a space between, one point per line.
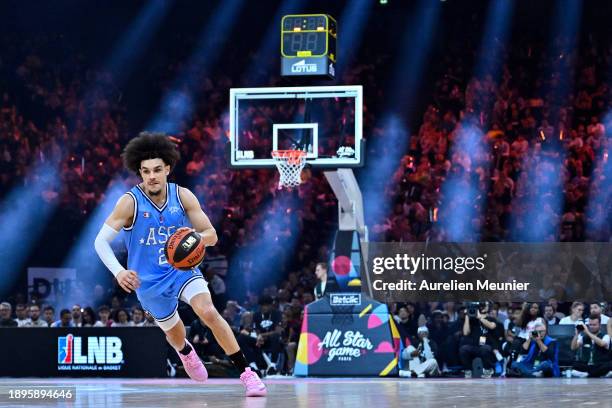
324 121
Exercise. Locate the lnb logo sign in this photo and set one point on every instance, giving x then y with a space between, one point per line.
100 351
301 67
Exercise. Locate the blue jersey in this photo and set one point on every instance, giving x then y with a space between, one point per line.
145 238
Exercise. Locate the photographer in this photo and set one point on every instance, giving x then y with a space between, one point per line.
421 357
512 345
593 350
478 339
542 358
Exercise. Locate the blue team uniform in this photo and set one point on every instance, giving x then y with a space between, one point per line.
161 284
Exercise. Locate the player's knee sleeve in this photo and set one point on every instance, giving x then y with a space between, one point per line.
168 324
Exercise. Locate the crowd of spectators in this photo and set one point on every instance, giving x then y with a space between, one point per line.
505 339
57 109
528 146
474 339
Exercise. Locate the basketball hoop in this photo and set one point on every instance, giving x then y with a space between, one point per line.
289 164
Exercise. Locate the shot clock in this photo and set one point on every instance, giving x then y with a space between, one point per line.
308 45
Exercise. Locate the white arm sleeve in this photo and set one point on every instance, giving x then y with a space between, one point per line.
104 250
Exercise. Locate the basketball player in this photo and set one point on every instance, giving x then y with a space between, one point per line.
149 214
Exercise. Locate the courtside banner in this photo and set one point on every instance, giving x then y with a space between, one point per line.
504 272
83 352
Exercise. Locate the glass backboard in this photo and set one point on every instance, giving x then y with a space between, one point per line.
324 121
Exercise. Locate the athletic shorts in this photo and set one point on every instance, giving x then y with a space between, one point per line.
161 298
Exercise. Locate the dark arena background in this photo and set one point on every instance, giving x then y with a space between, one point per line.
393 121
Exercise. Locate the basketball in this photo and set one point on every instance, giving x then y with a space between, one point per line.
185 249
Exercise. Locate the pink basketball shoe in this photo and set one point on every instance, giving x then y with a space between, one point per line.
254 386
193 365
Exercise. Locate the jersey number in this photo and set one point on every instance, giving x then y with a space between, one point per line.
162 257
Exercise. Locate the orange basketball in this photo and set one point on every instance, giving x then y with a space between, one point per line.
185 249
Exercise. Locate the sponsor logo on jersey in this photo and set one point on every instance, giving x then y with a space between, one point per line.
146 214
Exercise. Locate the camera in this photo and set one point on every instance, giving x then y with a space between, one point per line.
472 308
534 334
580 327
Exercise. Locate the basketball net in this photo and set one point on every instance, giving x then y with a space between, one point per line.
289 164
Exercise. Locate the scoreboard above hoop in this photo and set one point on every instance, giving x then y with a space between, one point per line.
308 45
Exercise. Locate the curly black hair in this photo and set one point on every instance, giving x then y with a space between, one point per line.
150 145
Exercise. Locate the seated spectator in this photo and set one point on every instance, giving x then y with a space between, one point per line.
542 355
478 341
89 318
104 316
122 319
65 319
260 339
77 312
137 316
35 320
576 316
21 314
49 315
530 316
5 315
419 357
549 315
268 328
597 310
592 348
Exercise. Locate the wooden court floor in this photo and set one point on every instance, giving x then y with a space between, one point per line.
332 392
